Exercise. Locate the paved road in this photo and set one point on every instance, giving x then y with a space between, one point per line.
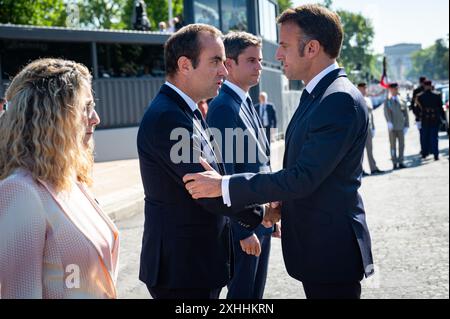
408 216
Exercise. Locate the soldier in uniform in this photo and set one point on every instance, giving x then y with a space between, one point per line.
362 87
416 110
432 113
396 113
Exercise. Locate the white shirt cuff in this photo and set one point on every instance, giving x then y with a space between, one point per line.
226 190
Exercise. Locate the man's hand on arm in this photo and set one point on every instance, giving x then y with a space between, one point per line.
207 184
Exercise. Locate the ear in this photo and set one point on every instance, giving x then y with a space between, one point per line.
312 48
229 63
184 65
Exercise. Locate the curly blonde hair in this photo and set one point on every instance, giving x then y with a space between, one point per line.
43 130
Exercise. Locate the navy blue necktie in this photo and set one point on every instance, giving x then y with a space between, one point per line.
304 97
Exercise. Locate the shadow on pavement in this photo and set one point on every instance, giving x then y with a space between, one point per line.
413 161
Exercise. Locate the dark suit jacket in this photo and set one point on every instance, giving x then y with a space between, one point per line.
224 112
325 236
271 114
186 243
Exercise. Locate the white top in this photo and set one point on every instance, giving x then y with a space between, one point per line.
312 84
54 245
240 92
185 97
309 87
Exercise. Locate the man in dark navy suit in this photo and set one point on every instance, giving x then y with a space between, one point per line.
267 114
233 110
326 242
186 247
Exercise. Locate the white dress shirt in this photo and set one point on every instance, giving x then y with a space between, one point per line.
312 84
309 87
206 148
226 180
185 97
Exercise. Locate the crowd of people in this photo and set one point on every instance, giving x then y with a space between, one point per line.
209 221
428 109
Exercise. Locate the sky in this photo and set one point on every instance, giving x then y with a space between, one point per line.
399 21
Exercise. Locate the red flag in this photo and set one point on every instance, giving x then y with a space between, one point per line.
384 80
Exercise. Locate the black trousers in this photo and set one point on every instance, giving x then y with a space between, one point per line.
332 291
167 293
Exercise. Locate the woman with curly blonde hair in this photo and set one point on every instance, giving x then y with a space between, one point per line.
55 241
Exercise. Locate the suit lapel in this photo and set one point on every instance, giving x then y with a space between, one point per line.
217 164
251 121
315 94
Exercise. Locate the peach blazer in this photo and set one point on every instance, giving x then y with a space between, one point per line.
54 245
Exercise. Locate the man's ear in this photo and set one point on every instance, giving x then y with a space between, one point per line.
229 63
184 65
312 48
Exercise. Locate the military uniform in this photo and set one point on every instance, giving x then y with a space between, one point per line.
416 110
431 114
370 134
396 113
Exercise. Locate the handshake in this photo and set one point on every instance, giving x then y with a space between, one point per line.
272 214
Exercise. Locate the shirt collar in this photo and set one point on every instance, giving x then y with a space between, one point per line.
312 84
240 92
185 97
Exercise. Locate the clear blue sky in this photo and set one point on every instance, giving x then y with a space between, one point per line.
399 21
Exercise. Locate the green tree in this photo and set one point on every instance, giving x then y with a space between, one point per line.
356 56
431 62
328 3
33 12
105 14
284 4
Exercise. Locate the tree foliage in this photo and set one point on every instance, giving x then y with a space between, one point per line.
105 14
431 62
356 56
284 4
33 12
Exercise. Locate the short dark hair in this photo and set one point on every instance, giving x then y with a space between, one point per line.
185 42
236 42
422 79
393 85
317 23
427 83
362 84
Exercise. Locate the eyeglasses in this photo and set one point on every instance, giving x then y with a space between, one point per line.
89 109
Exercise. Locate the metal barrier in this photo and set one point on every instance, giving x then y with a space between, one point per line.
121 102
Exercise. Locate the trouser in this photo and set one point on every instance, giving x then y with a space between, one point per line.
431 140
371 159
422 142
250 272
394 136
332 291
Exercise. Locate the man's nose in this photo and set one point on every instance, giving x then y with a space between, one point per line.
278 54
223 70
